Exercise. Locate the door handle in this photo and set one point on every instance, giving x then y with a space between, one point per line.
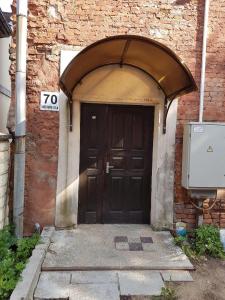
108 167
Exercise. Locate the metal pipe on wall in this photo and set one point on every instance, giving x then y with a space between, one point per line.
20 130
204 48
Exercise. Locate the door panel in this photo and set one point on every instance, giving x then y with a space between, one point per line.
137 124
121 136
116 193
92 153
132 164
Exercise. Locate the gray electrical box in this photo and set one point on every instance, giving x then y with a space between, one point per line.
203 165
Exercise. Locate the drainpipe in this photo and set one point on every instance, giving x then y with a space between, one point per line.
204 48
202 86
20 130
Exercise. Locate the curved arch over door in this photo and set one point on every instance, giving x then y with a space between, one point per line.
154 58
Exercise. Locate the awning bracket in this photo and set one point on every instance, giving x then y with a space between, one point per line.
167 105
70 113
127 44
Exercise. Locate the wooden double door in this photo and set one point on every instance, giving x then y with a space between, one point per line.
115 163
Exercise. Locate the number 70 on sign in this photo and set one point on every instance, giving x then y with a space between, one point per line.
49 101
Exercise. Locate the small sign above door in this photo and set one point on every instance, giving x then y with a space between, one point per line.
49 101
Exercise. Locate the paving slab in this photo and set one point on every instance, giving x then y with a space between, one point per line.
140 283
95 291
91 285
81 277
92 247
53 285
174 275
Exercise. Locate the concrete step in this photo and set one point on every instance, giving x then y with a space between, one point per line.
104 285
99 247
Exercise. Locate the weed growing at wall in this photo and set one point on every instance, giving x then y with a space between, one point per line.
14 254
207 241
167 293
203 241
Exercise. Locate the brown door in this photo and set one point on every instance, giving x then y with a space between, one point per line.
115 163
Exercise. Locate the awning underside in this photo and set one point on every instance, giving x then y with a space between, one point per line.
5 29
158 61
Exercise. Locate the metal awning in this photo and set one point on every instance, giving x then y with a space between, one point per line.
5 29
152 57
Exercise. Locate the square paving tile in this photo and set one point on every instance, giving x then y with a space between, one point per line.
122 246
146 239
120 239
135 247
134 240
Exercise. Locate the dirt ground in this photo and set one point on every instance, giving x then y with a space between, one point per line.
209 282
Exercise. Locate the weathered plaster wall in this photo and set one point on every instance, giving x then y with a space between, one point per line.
5 83
4 168
55 25
5 95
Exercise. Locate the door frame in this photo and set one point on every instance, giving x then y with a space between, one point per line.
106 118
162 194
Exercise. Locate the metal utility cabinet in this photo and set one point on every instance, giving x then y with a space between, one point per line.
203 165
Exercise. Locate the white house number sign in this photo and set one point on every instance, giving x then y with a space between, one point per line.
49 101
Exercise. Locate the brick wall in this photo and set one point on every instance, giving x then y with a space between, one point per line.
55 25
214 107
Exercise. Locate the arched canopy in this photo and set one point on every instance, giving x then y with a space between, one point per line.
157 60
